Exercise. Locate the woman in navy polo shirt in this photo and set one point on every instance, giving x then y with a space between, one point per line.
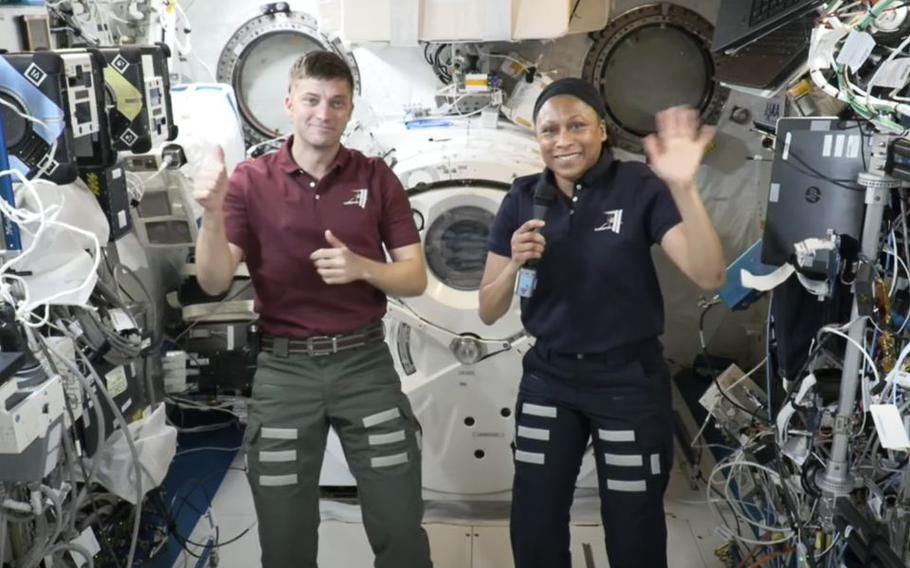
592 301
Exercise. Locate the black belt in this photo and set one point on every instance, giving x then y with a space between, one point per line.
324 344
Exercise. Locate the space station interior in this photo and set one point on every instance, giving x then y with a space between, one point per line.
127 387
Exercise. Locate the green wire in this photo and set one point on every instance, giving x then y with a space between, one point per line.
869 113
874 13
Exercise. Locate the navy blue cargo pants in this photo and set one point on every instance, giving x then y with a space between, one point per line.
620 401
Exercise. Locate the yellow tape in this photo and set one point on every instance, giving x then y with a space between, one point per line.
94 183
129 99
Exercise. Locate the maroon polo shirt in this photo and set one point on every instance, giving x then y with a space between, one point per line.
278 215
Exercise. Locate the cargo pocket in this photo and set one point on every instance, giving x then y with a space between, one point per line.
624 458
271 456
393 439
250 435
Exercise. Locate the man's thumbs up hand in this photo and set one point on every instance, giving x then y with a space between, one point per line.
333 240
337 264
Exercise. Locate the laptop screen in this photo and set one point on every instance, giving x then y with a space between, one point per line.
740 22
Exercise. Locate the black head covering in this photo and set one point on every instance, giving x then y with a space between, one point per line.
578 88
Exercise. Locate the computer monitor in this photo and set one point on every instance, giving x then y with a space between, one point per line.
814 187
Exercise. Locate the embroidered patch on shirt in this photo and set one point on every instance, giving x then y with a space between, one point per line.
613 222
359 199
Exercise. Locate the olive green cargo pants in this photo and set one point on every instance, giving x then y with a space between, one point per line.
358 393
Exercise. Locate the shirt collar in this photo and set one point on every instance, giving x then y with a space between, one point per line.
598 171
286 162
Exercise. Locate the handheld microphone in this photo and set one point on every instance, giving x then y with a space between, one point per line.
544 196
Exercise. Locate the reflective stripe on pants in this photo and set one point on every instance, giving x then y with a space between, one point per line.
623 409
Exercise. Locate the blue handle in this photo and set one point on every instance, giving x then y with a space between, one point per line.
10 229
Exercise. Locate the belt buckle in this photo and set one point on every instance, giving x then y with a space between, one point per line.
311 345
314 345
334 344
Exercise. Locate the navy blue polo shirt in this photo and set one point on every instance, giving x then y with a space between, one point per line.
596 284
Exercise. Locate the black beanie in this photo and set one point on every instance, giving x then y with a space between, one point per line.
578 88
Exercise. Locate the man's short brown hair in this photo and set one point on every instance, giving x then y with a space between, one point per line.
321 65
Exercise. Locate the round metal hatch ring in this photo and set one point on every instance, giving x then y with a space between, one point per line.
278 27
647 59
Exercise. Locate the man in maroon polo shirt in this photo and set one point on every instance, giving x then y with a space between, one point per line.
311 221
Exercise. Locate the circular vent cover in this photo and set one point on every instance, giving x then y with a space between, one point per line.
648 59
456 246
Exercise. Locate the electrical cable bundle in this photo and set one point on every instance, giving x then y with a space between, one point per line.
765 486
